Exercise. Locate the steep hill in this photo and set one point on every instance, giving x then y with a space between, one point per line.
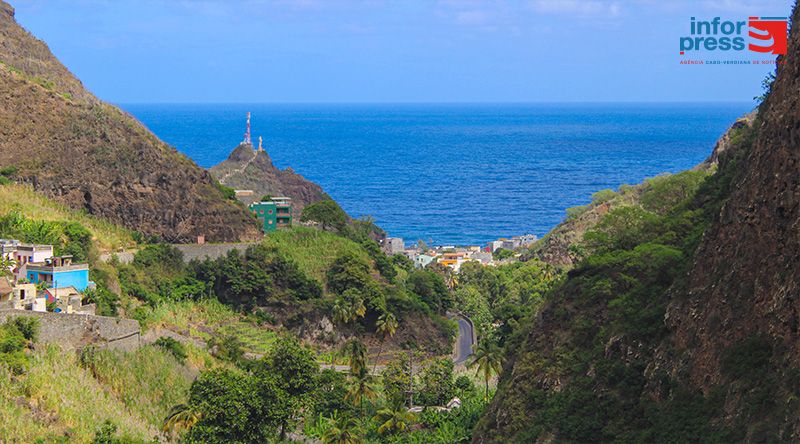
249 169
681 324
561 246
92 156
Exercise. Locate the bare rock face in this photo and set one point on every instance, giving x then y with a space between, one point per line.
746 278
248 169
92 156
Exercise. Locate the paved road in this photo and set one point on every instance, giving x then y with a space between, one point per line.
463 341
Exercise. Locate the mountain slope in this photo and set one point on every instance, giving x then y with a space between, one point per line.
247 169
92 156
681 325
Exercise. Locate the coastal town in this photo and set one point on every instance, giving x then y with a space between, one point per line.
502 250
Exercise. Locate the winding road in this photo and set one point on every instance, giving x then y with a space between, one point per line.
465 339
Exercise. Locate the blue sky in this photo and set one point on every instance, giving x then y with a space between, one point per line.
144 51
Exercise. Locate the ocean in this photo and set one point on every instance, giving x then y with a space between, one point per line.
456 174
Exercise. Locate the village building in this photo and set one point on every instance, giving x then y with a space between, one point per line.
393 245
274 214
58 272
422 260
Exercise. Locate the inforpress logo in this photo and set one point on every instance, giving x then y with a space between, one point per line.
757 34
768 29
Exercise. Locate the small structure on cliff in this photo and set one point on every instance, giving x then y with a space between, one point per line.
274 213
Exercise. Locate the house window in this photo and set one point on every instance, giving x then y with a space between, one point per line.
270 211
270 222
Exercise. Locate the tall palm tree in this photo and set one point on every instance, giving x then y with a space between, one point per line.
360 390
180 419
356 353
488 359
341 311
343 430
393 420
386 325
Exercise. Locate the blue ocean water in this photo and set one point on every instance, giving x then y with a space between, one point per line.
456 174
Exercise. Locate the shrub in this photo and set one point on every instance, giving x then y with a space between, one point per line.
576 212
162 255
603 196
327 213
173 347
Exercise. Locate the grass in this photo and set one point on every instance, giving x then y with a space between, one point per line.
22 199
206 318
185 315
58 398
148 381
254 339
313 250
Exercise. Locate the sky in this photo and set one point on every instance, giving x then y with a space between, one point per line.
384 51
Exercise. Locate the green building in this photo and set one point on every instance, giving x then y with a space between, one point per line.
275 213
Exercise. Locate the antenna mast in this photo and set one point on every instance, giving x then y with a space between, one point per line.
247 133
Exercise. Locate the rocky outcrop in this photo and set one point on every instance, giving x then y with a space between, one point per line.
717 358
94 157
746 278
249 169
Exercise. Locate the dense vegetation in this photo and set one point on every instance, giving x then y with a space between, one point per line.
608 314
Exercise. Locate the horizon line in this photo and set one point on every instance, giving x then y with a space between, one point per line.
554 102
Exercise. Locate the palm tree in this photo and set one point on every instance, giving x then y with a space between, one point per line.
360 390
393 419
6 266
344 430
341 311
356 353
488 359
386 325
180 419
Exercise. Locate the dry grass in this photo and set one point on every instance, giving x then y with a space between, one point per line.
313 250
22 199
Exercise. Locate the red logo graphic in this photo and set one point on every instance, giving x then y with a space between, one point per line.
766 29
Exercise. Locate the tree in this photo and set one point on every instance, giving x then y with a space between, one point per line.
349 306
487 360
344 430
180 419
360 390
349 272
229 406
293 364
326 213
437 383
396 378
6 266
329 393
393 419
430 287
385 326
293 368
356 353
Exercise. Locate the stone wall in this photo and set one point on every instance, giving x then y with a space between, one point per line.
211 251
78 330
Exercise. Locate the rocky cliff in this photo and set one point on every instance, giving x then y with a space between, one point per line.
682 325
249 169
92 156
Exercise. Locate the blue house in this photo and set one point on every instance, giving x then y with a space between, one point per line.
59 272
